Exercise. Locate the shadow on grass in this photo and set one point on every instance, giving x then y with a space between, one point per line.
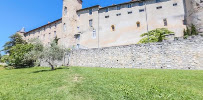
50 70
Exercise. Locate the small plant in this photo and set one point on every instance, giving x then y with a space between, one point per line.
189 31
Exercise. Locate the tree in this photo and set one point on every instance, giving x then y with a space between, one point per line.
17 56
157 35
4 59
52 53
191 30
14 40
0 56
35 54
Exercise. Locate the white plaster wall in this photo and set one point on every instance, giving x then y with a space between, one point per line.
86 32
126 30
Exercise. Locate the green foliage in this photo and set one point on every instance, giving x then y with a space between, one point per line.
52 53
80 83
17 56
36 52
190 31
56 39
0 56
157 35
5 59
14 40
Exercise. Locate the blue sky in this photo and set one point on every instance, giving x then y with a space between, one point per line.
15 14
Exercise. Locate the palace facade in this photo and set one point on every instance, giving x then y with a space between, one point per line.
120 24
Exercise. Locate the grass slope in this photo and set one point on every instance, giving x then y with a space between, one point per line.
78 83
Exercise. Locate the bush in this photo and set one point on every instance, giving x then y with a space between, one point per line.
157 35
4 59
17 56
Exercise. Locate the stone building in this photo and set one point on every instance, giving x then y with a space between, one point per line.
120 24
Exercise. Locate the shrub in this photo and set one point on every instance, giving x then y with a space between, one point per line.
17 56
157 35
189 31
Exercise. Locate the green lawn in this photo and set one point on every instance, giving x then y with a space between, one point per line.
77 83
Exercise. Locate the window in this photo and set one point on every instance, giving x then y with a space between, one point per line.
55 25
90 12
165 22
141 10
94 34
65 11
138 24
118 7
77 36
201 1
107 9
78 28
54 33
175 4
78 46
118 14
158 1
44 36
106 16
141 3
129 5
130 12
64 27
112 28
159 7
90 22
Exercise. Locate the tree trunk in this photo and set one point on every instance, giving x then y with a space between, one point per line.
52 66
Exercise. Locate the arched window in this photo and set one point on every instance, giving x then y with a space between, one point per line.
64 27
112 28
138 24
54 33
65 11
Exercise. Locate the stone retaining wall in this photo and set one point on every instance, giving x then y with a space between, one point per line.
178 54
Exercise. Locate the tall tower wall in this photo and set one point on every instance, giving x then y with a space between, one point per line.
194 13
69 21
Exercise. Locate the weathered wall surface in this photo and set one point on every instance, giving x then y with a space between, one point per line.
46 33
179 54
195 13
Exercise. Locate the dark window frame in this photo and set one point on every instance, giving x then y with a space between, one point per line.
90 12
165 22
159 7
90 23
129 5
